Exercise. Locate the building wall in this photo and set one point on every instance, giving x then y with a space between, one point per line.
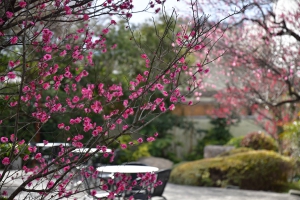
198 115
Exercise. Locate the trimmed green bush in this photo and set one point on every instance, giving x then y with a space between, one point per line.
236 142
254 170
259 140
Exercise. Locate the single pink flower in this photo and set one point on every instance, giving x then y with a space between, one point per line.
22 4
125 127
123 146
5 161
50 184
12 137
46 86
93 192
1 22
47 57
9 14
61 125
11 75
172 107
104 187
26 157
13 104
38 156
68 10
21 142
66 168
150 139
105 31
86 17
14 40
181 60
144 56
95 133
128 15
114 46
63 53
140 140
4 193
32 149
113 22
4 139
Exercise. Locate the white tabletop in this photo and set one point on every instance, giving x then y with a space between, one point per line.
89 150
127 169
51 144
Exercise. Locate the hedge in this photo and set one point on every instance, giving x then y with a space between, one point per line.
254 170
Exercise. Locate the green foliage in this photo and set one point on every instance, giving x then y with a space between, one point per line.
255 170
163 125
218 135
290 138
6 149
259 140
132 152
236 142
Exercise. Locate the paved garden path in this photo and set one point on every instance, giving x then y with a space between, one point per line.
181 192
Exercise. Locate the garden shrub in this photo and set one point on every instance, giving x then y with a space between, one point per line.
259 140
254 170
236 142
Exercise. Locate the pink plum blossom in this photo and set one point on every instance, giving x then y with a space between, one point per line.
4 139
9 14
105 31
14 40
22 4
150 139
5 161
50 184
11 75
123 146
47 57
86 17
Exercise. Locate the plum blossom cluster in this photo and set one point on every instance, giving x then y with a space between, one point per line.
54 71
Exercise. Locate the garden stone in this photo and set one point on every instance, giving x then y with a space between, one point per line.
160 163
211 151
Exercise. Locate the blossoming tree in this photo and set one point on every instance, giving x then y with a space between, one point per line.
260 65
47 47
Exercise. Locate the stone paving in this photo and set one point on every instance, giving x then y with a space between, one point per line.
182 192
